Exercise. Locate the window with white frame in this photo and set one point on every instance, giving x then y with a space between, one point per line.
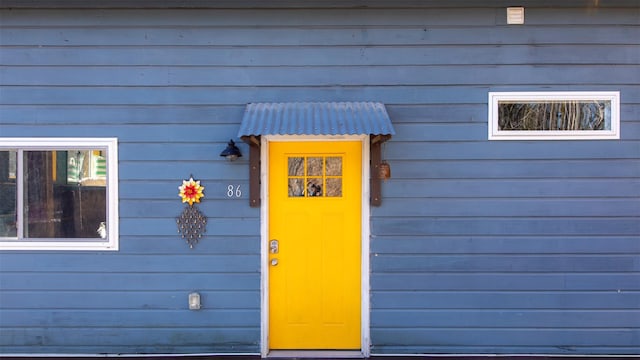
58 194
553 115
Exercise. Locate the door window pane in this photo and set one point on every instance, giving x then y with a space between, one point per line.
314 187
315 176
314 166
296 166
334 166
334 187
296 187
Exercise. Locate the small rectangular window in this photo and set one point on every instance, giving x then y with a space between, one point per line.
554 115
58 194
315 176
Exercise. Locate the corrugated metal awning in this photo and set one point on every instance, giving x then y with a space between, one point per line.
316 118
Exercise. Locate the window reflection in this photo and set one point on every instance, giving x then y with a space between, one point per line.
334 166
8 192
65 194
296 166
315 176
334 187
314 187
296 187
314 166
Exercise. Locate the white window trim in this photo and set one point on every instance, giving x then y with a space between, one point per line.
111 145
496 134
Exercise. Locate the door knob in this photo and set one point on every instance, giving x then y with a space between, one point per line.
274 262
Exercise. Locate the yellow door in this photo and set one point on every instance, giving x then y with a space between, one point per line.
315 191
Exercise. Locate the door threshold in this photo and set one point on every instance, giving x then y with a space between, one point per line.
316 354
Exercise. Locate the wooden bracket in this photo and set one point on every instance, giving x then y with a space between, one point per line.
254 169
376 159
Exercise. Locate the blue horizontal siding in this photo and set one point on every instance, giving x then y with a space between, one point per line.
175 280
524 169
595 226
505 244
175 319
354 75
537 341
516 188
509 207
564 263
478 281
354 55
523 301
298 36
109 340
207 95
479 247
133 263
136 300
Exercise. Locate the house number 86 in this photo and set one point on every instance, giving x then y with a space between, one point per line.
234 191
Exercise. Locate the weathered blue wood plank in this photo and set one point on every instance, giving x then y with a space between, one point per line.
281 17
491 244
123 300
428 263
176 281
174 244
540 319
500 300
571 188
206 319
517 337
134 338
209 207
120 115
506 282
569 54
361 36
509 207
501 169
313 76
541 226
132 263
176 132
204 171
569 350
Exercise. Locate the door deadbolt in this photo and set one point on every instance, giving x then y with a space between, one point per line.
273 246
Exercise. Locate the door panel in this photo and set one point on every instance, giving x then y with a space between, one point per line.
315 191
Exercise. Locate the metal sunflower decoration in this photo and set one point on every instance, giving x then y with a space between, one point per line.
191 223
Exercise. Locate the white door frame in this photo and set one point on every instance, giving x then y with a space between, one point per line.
264 235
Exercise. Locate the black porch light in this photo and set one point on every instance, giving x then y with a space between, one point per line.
232 152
